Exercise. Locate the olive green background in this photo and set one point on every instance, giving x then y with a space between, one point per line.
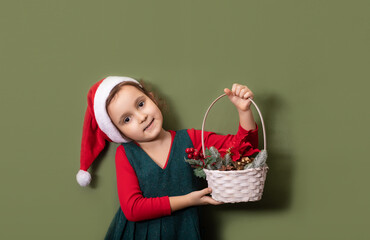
307 63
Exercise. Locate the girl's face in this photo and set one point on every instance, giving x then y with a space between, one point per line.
135 114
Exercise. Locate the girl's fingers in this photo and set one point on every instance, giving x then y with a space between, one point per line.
243 92
234 87
248 95
210 200
207 199
237 90
206 191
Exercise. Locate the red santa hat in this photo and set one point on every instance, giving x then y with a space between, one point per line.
98 127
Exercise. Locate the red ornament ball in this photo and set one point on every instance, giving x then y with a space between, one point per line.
189 150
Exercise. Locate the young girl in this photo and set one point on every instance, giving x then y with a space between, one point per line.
157 189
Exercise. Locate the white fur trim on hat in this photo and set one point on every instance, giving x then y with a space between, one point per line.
101 115
83 178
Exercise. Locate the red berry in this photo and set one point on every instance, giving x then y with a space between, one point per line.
191 150
187 150
196 154
201 155
190 155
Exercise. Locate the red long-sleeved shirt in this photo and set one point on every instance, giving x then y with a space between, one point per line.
138 208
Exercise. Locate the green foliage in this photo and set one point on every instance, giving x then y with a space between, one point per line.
249 165
259 160
218 164
208 152
209 163
215 158
194 162
214 152
228 160
199 173
211 167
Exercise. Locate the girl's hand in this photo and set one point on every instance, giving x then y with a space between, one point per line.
192 199
239 95
200 198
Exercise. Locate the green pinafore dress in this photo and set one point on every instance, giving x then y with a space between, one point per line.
174 180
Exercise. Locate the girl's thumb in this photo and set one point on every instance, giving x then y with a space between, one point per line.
227 91
207 191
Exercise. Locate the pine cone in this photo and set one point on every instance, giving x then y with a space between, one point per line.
239 165
223 168
247 160
229 168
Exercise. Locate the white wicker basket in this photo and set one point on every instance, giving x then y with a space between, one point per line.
237 185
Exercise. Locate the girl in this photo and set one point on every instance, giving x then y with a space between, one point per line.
157 189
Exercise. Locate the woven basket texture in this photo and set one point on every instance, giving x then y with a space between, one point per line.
238 185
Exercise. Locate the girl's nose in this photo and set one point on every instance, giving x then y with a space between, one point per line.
142 117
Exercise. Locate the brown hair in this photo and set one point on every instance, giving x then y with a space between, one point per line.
144 89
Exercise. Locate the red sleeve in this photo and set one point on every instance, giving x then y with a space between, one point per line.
247 138
133 204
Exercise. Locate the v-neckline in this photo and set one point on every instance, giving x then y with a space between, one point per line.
173 134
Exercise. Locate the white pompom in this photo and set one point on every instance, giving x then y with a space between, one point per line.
83 178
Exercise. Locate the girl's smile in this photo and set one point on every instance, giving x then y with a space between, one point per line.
149 126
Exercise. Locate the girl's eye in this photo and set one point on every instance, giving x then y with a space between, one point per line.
141 104
126 120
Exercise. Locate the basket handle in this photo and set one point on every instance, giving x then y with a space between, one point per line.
258 110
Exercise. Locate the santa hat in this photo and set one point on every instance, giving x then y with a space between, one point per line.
98 127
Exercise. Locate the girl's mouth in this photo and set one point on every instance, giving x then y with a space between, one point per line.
150 124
